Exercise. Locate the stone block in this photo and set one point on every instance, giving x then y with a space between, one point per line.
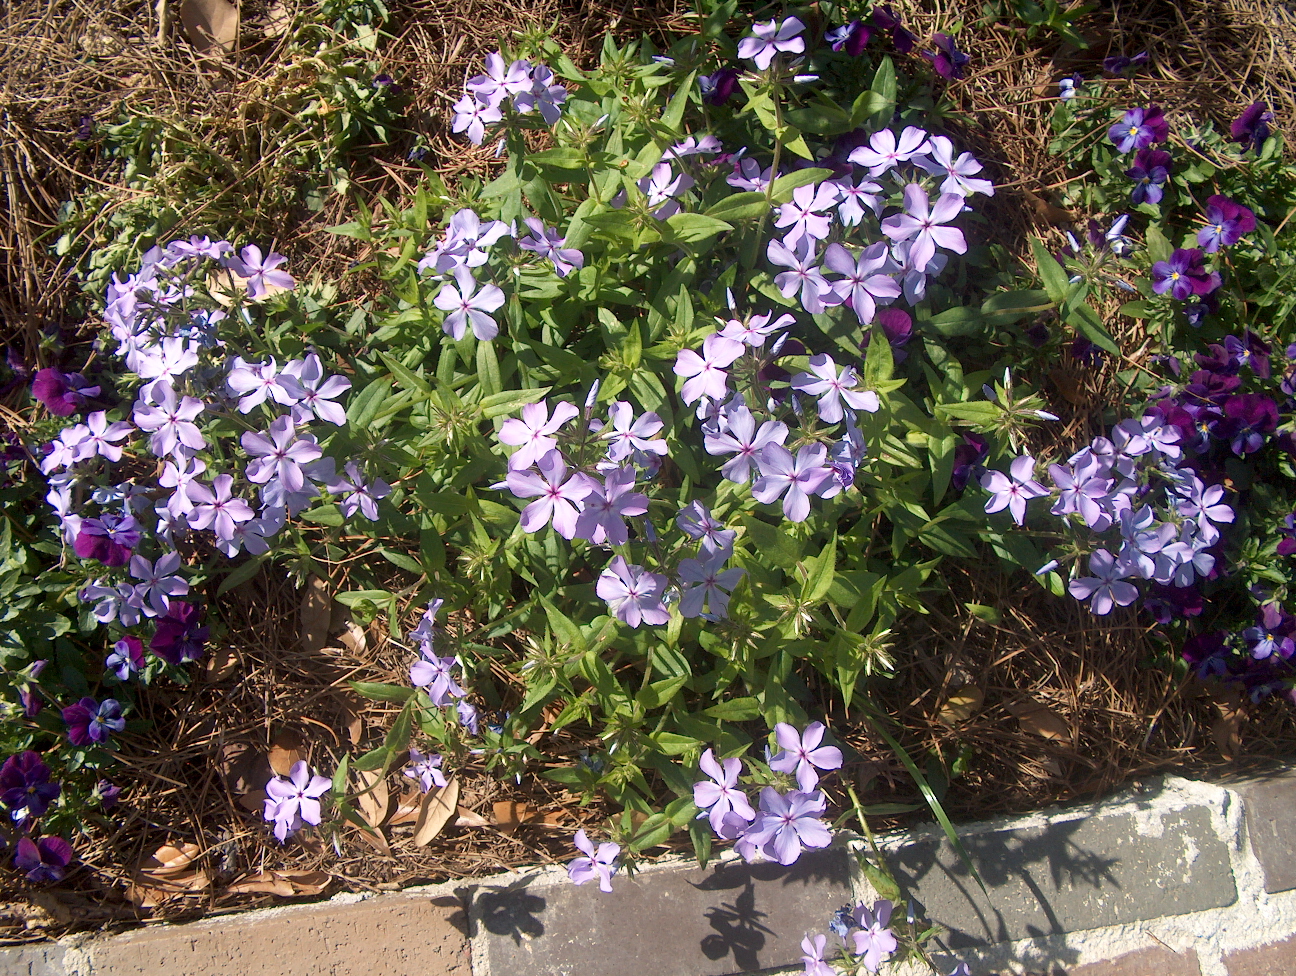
1269 807
1153 961
32 960
1267 960
682 921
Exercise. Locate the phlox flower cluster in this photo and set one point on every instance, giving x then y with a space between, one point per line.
526 87
862 934
165 320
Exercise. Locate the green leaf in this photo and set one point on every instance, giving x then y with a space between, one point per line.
561 158
659 693
958 321
820 578
773 542
241 574
1089 325
1006 307
364 406
880 881
1051 273
735 710
510 401
382 692
408 378
740 206
700 834
884 90
781 191
695 227
674 114
488 371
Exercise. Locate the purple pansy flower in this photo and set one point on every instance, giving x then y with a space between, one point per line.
43 860
127 657
63 394
1251 128
91 721
802 754
849 38
1118 64
718 87
28 792
1139 128
1226 223
948 60
599 864
632 593
180 636
1184 275
1150 171
883 17
1249 418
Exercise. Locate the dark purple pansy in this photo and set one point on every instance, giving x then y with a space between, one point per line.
110 539
89 721
107 794
1038 335
1250 351
1139 128
43 860
1272 634
884 18
1118 64
1287 544
1084 351
947 60
1166 603
1249 418
718 87
850 38
1252 127
28 792
62 394
1226 223
1184 275
1208 653
179 638
967 458
1150 171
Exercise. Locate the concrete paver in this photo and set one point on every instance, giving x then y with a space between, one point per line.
1269 804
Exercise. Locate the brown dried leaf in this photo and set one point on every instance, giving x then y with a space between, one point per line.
278 20
437 809
253 802
471 818
961 706
1038 718
1046 211
286 750
353 637
288 883
316 615
1226 730
375 839
374 799
407 808
168 860
150 892
212 25
221 663
510 815
244 768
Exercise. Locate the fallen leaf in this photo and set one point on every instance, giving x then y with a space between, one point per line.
210 24
169 860
316 615
244 768
471 818
374 799
150 892
285 751
353 710
1047 211
1038 718
510 815
278 20
437 809
407 808
221 663
287 883
1226 730
961 706
253 802
375 839
353 637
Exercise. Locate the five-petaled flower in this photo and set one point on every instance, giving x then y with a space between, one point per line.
426 768
599 864
800 476
294 801
28 792
1139 128
802 754
787 823
769 39
874 941
1013 492
469 305
705 372
43 860
720 796
632 593
89 721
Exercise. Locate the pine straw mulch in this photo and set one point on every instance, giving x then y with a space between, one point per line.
1046 703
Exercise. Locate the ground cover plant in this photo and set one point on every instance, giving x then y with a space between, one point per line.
677 426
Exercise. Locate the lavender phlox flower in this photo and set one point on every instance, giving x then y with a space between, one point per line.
754 329
801 754
280 455
692 146
632 593
1107 454
1251 128
1226 223
1150 171
850 38
109 601
101 437
469 305
260 272
1271 635
844 457
959 172
697 522
805 273
253 382
719 86
706 371
804 216
1180 563
628 433
885 150
1204 504
197 248
1139 128
800 477
89 721
43 860
294 801
65 449
832 388
1080 490
707 582
28 792
1249 418
558 495
854 199
499 81
607 506
742 438
316 393
866 278
546 95
1104 589
1014 490
433 673
1145 538
532 435
948 61
472 115
357 493
468 716
661 187
1184 275
466 243
875 941
1163 438
812 948
748 175
426 768
158 581
216 507
788 823
172 357
769 39
168 420
921 222
249 537
599 864
546 242
62 394
721 796
424 633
